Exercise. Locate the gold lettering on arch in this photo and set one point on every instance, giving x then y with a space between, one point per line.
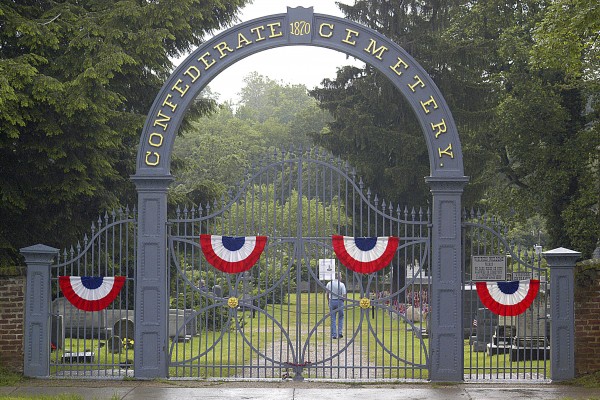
447 152
325 35
152 154
242 41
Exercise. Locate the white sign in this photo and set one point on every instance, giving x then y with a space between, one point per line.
521 276
488 268
326 269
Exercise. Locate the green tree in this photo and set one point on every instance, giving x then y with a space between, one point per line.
529 129
76 80
375 128
216 152
542 132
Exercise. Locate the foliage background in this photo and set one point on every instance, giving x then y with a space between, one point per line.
521 78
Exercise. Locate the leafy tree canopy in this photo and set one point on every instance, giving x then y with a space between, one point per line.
77 78
528 124
216 153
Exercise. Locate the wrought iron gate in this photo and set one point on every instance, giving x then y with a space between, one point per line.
503 347
96 343
272 322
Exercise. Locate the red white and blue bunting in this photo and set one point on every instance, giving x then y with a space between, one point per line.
365 255
508 298
232 254
91 293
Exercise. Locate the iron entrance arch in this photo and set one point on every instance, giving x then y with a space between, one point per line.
299 26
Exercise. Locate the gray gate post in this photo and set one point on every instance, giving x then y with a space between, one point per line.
37 309
447 337
151 290
562 311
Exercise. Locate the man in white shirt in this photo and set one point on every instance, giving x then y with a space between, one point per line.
336 294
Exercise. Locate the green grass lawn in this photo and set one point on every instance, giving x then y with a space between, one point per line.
296 332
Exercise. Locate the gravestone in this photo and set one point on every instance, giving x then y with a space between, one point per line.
531 326
124 328
501 340
114 344
531 339
79 323
471 303
57 331
486 324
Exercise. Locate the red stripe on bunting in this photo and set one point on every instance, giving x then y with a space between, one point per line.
91 293
508 298
232 254
365 255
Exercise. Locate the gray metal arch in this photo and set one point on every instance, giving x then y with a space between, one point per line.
241 41
299 26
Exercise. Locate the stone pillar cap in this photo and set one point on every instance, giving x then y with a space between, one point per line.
561 251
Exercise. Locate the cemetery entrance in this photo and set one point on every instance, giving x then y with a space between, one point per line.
184 317
273 320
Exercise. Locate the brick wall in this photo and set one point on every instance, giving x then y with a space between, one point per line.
12 307
587 317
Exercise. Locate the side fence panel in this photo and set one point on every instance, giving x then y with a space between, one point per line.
71 327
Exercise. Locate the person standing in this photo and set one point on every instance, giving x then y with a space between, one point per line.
336 293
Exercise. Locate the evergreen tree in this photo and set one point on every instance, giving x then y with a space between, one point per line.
528 127
77 78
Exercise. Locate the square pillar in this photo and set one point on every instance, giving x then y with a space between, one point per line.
151 279
562 311
446 339
39 260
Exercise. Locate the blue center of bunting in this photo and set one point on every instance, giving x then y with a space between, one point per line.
508 287
91 282
366 243
233 243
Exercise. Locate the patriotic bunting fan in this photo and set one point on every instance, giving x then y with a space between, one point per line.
91 293
508 298
365 254
232 254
